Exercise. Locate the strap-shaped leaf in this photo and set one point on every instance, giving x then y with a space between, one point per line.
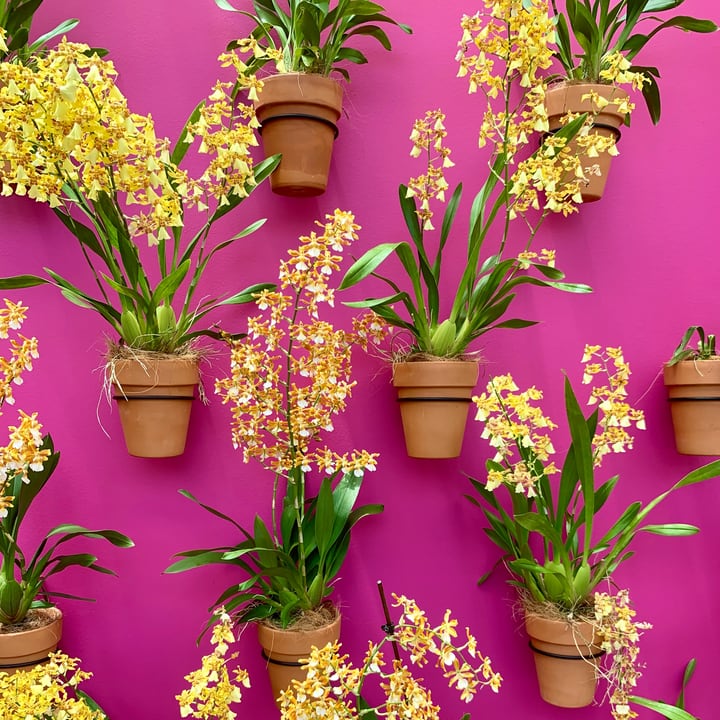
324 517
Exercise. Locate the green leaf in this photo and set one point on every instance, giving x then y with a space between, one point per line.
182 145
168 285
21 281
671 529
344 496
667 711
248 294
324 517
367 264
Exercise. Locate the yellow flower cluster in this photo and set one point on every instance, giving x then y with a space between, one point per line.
619 635
616 71
511 43
427 138
212 690
292 373
511 422
616 414
22 452
65 123
333 685
516 429
46 691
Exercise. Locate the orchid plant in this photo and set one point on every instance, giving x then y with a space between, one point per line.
26 464
49 690
334 687
71 142
554 553
310 36
289 377
597 41
502 53
703 350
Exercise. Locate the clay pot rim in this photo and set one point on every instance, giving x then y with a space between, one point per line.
688 372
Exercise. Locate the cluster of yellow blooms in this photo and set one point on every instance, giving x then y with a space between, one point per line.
65 123
292 373
616 413
618 634
333 685
212 690
22 452
511 421
508 44
427 138
46 691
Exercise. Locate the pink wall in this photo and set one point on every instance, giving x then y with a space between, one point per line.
648 249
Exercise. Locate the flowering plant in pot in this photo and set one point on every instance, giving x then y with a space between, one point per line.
509 59
330 685
30 624
306 40
73 143
558 559
692 378
597 42
289 377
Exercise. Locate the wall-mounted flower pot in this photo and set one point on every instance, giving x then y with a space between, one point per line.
434 399
282 650
24 649
566 97
154 397
565 660
298 114
693 388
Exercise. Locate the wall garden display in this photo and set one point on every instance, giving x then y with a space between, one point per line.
299 106
648 251
597 42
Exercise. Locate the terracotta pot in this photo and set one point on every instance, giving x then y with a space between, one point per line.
282 650
693 388
154 397
568 97
27 648
298 115
565 660
434 398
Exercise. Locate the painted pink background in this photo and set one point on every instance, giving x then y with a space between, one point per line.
648 250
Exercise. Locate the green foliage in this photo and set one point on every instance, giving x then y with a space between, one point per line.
601 29
284 575
486 288
676 711
312 36
550 544
16 17
704 351
23 577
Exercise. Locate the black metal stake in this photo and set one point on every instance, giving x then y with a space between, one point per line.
388 628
